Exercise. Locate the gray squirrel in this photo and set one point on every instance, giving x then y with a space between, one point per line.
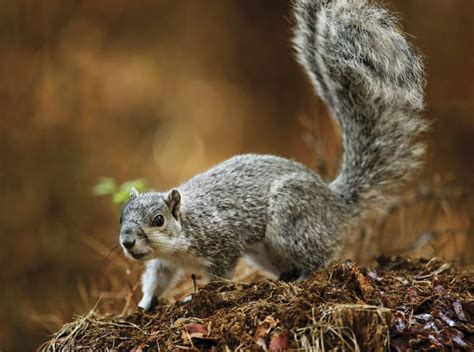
278 213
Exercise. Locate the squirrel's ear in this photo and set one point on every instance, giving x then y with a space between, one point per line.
174 202
133 193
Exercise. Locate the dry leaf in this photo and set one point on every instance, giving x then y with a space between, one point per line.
262 331
196 330
279 342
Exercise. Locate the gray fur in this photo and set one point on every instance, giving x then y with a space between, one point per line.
372 80
276 212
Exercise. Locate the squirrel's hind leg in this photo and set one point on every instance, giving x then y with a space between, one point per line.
223 268
305 225
262 256
282 268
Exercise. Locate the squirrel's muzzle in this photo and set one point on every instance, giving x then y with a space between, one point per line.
128 243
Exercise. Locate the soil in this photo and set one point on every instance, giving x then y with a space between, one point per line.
400 304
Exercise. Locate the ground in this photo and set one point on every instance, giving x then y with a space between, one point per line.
399 304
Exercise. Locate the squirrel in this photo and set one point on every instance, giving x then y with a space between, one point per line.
278 213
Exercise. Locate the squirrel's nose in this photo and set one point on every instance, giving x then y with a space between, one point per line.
128 243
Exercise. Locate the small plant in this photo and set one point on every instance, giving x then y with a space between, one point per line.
108 186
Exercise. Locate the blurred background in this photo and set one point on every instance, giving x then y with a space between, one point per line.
161 90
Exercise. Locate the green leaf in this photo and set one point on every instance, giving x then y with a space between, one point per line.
120 197
104 186
119 194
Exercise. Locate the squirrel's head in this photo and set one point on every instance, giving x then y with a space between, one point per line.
150 225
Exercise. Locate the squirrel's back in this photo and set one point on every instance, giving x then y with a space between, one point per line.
247 176
372 81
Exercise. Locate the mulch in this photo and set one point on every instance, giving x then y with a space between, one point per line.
400 303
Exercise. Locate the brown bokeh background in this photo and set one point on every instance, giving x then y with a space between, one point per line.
161 90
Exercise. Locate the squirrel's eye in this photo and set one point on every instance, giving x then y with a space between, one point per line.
158 221
121 219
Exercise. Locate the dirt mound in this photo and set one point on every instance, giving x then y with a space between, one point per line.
401 303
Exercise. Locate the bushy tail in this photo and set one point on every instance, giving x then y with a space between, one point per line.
372 80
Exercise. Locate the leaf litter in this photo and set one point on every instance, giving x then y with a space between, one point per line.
402 304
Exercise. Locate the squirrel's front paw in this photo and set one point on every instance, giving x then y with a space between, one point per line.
148 303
